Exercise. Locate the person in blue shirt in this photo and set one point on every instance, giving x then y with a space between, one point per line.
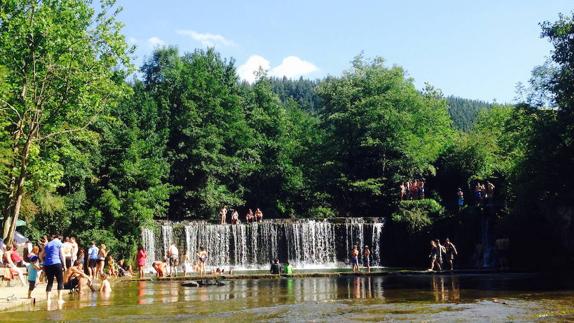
93 259
54 266
32 267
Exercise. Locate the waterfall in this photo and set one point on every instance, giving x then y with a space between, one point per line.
304 243
148 242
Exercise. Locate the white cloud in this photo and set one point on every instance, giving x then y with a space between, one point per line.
155 42
290 67
247 70
207 39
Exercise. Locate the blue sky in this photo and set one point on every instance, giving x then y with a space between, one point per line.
475 49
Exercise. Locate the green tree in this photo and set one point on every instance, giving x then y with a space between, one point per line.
61 58
380 130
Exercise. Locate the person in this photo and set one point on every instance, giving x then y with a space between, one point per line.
355 258
173 259
288 269
235 217
249 216
102 254
93 260
159 267
141 257
478 192
9 261
27 250
434 256
421 189
54 264
201 260
460 198
124 270
489 191
16 258
81 257
74 277
450 252
258 215
105 286
33 268
403 192
367 258
67 251
74 248
223 215
275 267
442 252
111 266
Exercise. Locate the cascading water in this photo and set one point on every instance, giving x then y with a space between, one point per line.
305 244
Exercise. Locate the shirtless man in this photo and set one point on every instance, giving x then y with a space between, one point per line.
355 258
367 258
173 259
258 215
75 277
159 267
223 215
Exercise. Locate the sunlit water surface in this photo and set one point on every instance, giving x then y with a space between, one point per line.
493 297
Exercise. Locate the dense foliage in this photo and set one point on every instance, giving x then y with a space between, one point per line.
85 152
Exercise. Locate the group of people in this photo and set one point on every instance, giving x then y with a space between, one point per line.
277 268
168 266
60 259
483 191
441 252
250 217
356 255
412 190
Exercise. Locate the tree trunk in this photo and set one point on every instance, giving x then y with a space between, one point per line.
15 202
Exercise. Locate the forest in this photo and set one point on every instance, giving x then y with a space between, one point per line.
88 149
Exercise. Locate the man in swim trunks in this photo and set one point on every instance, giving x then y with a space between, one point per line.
367 258
159 267
355 258
173 259
75 277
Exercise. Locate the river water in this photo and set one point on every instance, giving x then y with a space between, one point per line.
470 297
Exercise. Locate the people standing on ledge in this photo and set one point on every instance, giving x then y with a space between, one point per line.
355 258
223 215
275 267
460 198
450 252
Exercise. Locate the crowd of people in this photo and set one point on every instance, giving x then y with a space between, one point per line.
250 217
172 260
61 260
441 253
412 190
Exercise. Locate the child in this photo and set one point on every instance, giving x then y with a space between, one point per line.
105 284
33 267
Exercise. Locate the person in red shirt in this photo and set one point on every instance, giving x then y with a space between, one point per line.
141 260
16 258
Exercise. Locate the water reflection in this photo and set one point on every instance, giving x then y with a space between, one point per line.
446 289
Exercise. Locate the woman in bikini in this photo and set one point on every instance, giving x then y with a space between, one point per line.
201 260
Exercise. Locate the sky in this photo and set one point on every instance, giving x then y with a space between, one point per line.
474 49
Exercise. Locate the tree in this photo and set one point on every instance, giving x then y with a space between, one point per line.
209 145
64 65
380 131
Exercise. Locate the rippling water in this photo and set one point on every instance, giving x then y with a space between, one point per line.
498 297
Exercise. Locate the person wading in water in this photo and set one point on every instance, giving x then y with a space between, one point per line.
355 258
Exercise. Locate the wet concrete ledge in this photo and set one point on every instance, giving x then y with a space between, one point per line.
319 274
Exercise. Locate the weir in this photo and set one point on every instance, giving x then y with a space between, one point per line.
306 244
